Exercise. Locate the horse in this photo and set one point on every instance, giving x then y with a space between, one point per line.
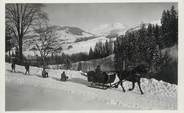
133 76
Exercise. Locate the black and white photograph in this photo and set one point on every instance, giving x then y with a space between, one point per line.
91 56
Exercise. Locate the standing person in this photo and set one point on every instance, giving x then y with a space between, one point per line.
13 65
27 68
98 69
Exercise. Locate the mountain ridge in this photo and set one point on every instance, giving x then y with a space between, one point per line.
75 40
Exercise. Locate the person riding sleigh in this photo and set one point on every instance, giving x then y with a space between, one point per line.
98 71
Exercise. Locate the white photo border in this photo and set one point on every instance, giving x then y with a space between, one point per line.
180 98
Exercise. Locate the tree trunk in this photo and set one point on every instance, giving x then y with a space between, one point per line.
44 62
124 65
9 53
9 56
20 49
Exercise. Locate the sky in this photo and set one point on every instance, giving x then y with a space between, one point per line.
91 15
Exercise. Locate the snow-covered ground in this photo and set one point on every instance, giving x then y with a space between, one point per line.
33 92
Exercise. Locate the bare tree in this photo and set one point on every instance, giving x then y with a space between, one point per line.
20 17
46 40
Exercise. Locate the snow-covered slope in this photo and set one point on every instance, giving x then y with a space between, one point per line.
108 29
137 27
84 46
157 94
68 38
75 40
70 34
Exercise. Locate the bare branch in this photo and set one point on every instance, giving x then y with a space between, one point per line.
21 17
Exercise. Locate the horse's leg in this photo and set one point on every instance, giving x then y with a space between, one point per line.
12 70
139 84
117 84
121 83
133 85
26 72
103 86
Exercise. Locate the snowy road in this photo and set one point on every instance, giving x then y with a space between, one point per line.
34 98
33 92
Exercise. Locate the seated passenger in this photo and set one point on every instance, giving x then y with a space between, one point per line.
44 73
98 72
98 69
63 76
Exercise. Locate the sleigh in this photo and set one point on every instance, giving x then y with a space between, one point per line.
100 80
